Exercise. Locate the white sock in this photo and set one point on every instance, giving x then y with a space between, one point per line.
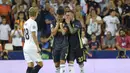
62 68
58 70
81 68
71 68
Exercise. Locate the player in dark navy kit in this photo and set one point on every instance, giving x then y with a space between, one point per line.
60 43
75 42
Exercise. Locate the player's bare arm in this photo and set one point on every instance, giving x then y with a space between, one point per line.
35 40
54 30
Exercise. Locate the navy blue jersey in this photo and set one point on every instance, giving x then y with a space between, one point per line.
75 39
60 40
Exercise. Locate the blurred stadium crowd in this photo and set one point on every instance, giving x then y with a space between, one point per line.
105 23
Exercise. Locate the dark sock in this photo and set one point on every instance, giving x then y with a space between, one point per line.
36 69
29 69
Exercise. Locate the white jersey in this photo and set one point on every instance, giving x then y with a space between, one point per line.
29 27
110 24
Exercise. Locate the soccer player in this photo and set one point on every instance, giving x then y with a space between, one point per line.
75 42
60 44
31 46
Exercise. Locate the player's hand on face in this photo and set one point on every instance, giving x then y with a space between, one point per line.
61 24
67 21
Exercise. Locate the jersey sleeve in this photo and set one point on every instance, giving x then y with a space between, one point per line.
77 25
105 19
33 27
9 29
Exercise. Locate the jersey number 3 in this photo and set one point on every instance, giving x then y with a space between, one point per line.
26 34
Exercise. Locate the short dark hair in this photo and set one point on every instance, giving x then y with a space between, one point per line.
3 17
21 12
122 30
111 10
69 11
60 11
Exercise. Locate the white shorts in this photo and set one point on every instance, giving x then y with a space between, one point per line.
32 56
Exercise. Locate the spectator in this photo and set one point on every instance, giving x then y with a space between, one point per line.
21 19
5 10
94 44
52 15
4 55
122 41
110 6
60 3
41 20
122 55
4 32
41 3
16 36
92 3
6 1
79 15
28 3
66 8
127 22
126 7
84 6
46 46
111 22
103 4
109 42
54 5
119 9
94 24
18 7
72 4
50 18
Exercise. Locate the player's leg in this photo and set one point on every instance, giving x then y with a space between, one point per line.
57 66
30 67
36 57
29 62
80 57
81 66
37 67
63 57
70 59
56 59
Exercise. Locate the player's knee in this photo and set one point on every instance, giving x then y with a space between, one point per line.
71 62
62 61
31 64
40 64
57 64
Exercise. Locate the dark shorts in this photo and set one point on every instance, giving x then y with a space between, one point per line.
77 54
3 42
17 48
60 54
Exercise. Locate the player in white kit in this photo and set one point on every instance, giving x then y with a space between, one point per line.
31 46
